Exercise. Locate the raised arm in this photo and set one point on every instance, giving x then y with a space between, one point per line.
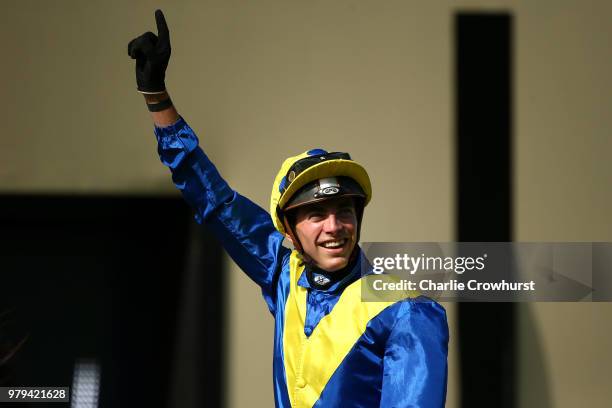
245 230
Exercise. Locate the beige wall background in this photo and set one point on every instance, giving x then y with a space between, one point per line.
260 81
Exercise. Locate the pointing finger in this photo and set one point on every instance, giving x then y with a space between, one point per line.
162 27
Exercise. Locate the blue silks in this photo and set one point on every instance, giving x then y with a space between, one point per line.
330 348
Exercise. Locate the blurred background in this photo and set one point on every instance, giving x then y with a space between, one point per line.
108 282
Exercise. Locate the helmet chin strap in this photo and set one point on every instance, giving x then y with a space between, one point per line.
292 236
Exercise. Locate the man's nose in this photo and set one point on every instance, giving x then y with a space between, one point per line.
332 224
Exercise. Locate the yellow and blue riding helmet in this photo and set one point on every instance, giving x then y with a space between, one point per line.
314 176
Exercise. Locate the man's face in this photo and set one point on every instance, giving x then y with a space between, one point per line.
328 232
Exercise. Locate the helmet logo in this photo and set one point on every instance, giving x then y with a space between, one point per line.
291 176
330 191
328 187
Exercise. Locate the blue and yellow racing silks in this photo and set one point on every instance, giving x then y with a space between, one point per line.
330 348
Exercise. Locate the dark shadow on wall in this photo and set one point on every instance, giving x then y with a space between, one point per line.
102 280
483 103
490 333
199 356
532 381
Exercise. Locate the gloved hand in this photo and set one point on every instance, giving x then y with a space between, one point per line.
152 53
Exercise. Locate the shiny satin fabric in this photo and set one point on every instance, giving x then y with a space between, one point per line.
353 353
388 354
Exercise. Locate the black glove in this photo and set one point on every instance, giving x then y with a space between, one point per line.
152 53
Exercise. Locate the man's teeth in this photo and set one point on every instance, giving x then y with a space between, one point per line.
334 244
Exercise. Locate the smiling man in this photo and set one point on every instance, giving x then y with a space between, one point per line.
327 232
331 349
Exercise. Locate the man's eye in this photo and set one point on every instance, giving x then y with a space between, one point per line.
316 216
346 212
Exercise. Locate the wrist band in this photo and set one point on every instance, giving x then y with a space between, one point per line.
160 106
151 92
